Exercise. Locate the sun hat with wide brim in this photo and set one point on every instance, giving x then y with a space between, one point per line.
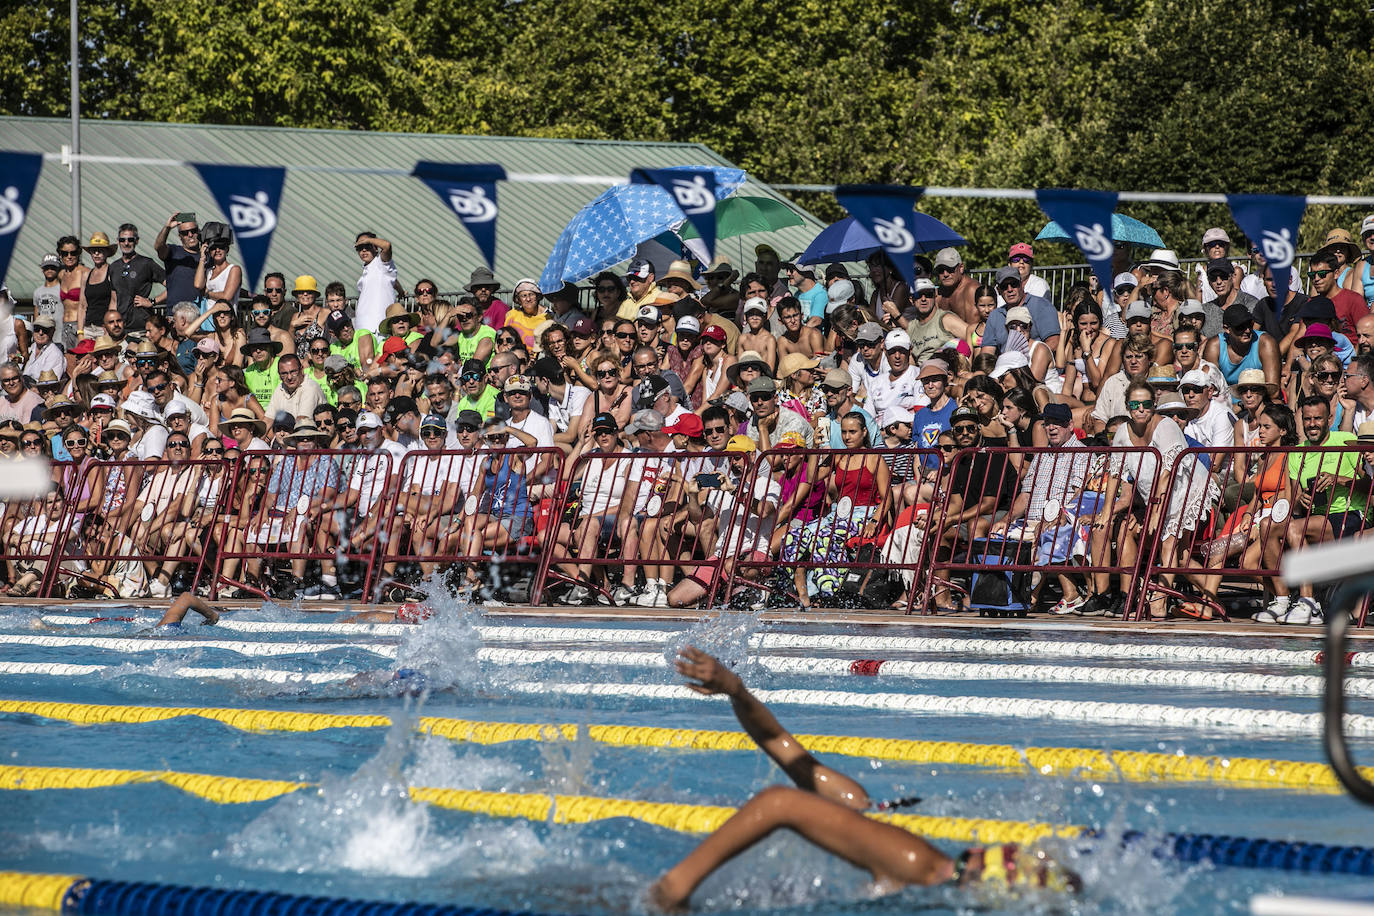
1254 378
396 310
100 242
306 429
794 362
141 404
1317 334
1169 402
242 416
681 271
260 337
748 359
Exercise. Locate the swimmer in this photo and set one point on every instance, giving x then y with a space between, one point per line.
186 602
824 808
410 612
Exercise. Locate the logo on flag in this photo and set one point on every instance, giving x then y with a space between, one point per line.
251 216
1271 222
1086 218
693 189
18 178
249 197
887 211
469 190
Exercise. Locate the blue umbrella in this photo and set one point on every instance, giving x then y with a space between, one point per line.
606 231
1124 229
848 240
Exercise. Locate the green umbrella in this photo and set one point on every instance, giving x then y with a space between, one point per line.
742 215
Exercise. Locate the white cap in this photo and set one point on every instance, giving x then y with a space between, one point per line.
1196 377
689 324
896 414
922 285
1163 257
1125 278
175 408
1012 359
103 400
368 420
648 313
1215 235
840 292
756 304
1367 226
897 340
1138 309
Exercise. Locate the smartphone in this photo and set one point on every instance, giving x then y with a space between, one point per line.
709 481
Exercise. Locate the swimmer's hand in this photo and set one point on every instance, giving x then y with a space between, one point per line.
708 673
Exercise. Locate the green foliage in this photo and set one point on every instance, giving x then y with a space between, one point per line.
1195 95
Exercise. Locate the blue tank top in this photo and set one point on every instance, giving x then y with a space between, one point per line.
504 492
1231 371
1367 280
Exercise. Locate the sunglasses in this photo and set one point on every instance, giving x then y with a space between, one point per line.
947 448
1251 389
255 472
1019 259
828 390
188 232
1008 284
212 451
625 336
428 291
495 439
67 254
115 434
77 443
464 428
607 373
180 443
158 388
261 312
714 430
1140 405
31 443
965 428
759 397
466 316
1319 274
320 350
128 239
1326 376
1185 346
471 377
432 433
278 290
1189 389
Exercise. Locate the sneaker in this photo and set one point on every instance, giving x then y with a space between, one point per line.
329 593
654 595
1303 612
159 589
577 596
311 593
1092 606
1274 612
602 598
623 596
1066 607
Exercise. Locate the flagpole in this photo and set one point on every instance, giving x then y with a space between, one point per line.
76 123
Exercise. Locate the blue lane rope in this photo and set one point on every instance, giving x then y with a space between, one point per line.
128 898
1245 852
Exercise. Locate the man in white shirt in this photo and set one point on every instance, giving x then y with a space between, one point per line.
298 395
869 363
379 284
523 419
44 353
900 387
1213 426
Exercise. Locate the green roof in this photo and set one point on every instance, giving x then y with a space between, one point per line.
322 211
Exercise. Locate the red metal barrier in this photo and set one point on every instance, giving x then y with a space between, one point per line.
476 508
657 532
1268 501
299 505
128 521
841 547
28 530
1060 495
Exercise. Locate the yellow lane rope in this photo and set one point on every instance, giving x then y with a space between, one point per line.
35 892
561 809
1061 762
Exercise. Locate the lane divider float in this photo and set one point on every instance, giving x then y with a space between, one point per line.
687 818
1060 762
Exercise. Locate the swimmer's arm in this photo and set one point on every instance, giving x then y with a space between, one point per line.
187 601
761 725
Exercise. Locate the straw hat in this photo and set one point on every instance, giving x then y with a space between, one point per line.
306 429
680 270
722 268
793 362
396 310
1169 402
243 416
1253 377
106 342
47 377
748 359
99 242
109 377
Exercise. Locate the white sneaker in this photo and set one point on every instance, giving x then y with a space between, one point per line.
578 596
654 595
158 589
1305 611
1275 612
1066 607
622 596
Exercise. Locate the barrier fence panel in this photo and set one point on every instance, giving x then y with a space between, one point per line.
1258 504
294 507
29 528
847 527
1081 515
476 510
133 528
622 513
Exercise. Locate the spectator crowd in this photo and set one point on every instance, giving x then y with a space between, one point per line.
667 429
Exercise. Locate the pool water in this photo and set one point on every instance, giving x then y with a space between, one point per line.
355 832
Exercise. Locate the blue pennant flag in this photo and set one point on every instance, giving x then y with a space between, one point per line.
18 177
694 192
888 211
1087 218
249 196
1271 222
469 190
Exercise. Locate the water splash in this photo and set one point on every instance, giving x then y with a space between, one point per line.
724 634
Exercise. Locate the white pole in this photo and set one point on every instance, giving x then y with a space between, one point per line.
76 125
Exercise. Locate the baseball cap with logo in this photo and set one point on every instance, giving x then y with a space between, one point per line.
1367 226
369 420
1126 278
714 333
897 340
741 444
433 421
605 421
687 325
756 304
517 383
948 257
338 320
639 269
1021 249
806 270
649 315
922 285
207 345
50 260
648 421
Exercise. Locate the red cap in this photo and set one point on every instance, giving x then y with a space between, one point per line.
393 345
689 424
714 332
83 346
1021 248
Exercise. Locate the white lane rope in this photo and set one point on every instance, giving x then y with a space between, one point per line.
1241 682
825 641
1141 714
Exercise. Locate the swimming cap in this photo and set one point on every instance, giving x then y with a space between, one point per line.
414 612
1008 866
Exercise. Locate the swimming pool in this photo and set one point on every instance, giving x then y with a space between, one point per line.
352 830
